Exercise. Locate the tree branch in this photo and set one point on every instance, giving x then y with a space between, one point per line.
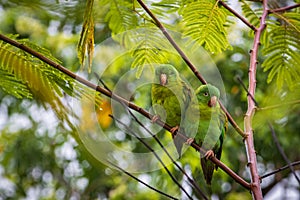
280 169
155 154
283 9
189 63
249 141
117 98
281 151
246 22
149 186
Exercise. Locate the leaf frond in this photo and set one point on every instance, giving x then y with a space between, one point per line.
282 52
41 80
205 22
86 41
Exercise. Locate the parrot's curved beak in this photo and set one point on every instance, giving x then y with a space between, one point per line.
163 79
213 101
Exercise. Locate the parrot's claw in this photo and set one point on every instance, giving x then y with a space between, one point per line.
209 154
174 129
189 141
155 118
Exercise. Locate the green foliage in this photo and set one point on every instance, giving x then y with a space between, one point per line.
149 47
43 81
204 21
121 16
282 52
10 84
251 15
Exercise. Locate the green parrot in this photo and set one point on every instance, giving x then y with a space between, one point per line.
211 128
170 97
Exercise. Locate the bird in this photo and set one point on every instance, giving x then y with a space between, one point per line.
170 96
211 128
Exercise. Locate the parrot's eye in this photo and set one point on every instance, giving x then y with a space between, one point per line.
205 94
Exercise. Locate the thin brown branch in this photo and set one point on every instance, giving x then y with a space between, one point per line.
244 20
191 180
249 141
280 169
155 154
281 151
283 9
132 106
188 62
142 182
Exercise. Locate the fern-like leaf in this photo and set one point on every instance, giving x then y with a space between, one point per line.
205 22
44 82
282 52
10 84
251 15
149 47
86 41
121 16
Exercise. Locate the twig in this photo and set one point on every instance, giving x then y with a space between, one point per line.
249 141
284 8
281 151
189 63
238 15
117 98
245 88
278 105
149 186
192 181
280 169
155 154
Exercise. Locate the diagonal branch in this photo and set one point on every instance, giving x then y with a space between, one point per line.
155 154
280 169
142 182
283 9
117 98
188 62
244 20
281 151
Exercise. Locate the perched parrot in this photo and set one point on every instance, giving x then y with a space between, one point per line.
170 98
211 128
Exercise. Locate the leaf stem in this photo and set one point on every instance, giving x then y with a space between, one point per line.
278 105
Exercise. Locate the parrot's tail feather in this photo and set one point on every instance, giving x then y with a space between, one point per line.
208 169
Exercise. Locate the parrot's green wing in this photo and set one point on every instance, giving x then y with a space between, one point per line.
170 98
211 127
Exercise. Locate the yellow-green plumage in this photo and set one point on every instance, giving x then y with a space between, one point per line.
211 127
170 97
